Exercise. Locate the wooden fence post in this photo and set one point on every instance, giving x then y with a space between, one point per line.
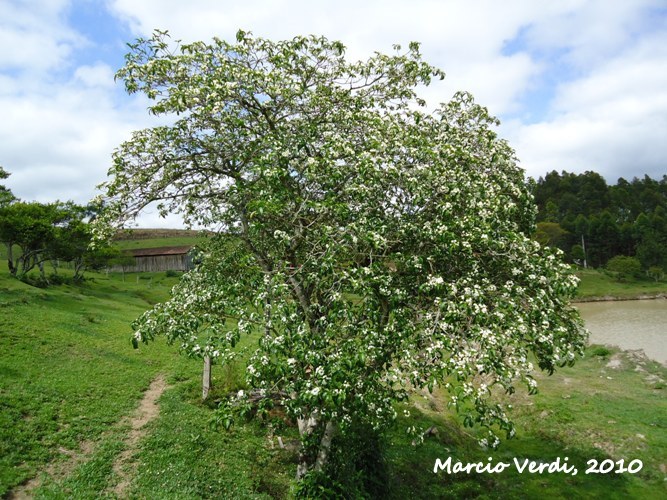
206 378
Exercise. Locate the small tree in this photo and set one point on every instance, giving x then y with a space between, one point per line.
70 237
550 234
6 196
75 237
372 246
577 253
31 228
99 258
49 232
624 267
656 273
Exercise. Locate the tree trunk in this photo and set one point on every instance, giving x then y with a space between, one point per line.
78 269
10 260
206 378
306 428
40 265
309 459
330 431
26 262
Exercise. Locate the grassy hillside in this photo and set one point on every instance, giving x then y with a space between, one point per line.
69 380
144 238
589 411
68 371
70 383
153 238
595 283
152 234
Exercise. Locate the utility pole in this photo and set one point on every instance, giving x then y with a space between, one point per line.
583 245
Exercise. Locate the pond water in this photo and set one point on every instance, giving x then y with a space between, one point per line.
629 324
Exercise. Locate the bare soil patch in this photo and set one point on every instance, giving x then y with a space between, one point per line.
56 470
147 410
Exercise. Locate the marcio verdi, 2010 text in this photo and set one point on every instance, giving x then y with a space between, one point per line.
532 467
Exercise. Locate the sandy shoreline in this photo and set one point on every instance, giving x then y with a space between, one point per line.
611 298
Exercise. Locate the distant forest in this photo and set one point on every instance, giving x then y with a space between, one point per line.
588 219
592 222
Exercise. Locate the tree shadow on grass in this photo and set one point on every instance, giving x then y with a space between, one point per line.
411 468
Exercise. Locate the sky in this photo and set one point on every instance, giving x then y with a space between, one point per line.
578 85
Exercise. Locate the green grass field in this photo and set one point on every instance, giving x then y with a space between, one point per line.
69 378
154 238
596 283
585 412
70 382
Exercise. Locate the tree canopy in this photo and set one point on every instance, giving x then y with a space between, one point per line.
627 218
373 246
6 196
36 233
624 267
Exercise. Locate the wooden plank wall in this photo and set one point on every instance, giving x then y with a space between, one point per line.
156 263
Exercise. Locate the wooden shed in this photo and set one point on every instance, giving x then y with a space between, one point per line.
159 259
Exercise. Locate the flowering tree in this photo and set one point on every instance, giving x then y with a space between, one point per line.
376 247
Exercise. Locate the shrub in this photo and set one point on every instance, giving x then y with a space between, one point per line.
656 273
624 267
600 351
356 468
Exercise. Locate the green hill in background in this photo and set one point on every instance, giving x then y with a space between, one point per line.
131 239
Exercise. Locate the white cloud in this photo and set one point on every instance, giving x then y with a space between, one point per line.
464 39
601 62
97 75
590 31
613 121
637 73
60 122
58 145
35 37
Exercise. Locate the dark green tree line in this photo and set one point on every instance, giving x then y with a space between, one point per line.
628 218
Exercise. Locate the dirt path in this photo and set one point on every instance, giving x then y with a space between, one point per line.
147 410
54 470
